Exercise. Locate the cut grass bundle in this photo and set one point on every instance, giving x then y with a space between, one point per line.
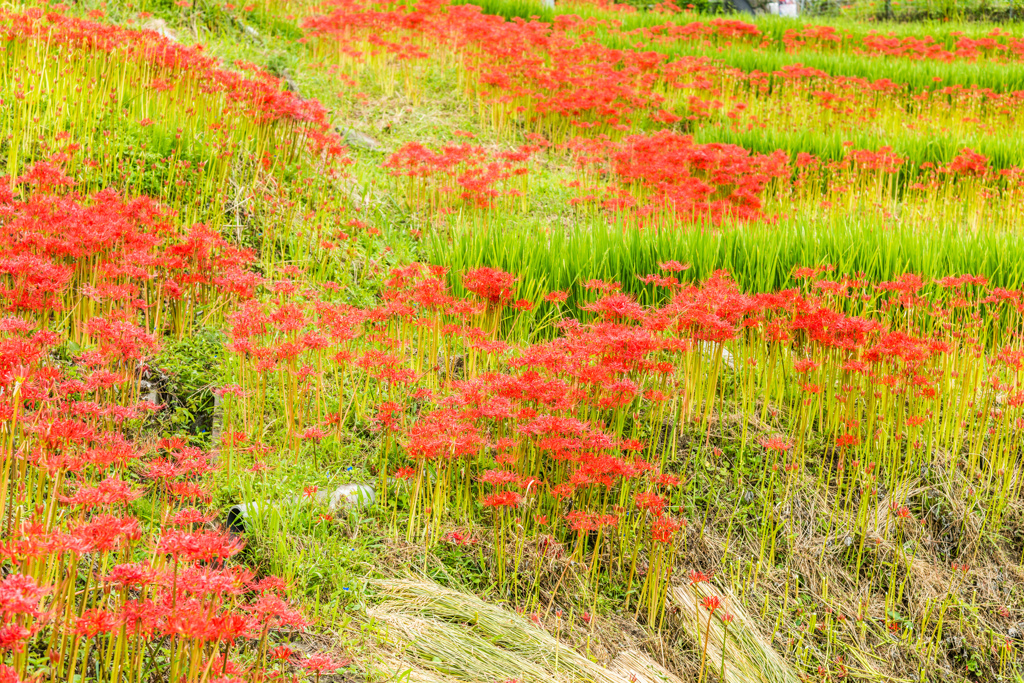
455 650
389 667
639 668
451 613
747 657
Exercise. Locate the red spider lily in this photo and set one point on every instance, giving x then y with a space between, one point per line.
19 594
502 499
107 532
131 575
269 584
96 621
615 307
13 637
845 440
554 415
523 305
274 612
190 517
777 444
499 477
651 502
19 603
199 545
494 286
458 538
321 663
711 603
686 176
471 171
580 521
109 492
664 528
665 479
282 653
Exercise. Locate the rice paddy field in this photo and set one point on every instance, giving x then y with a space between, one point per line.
486 343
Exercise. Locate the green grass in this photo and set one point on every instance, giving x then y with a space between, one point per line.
916 74
761 258
1002 152
941 31
512 9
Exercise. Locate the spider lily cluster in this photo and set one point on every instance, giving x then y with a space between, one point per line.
572 428
93 280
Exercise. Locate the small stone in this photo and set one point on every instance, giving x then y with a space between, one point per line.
158 25
360 140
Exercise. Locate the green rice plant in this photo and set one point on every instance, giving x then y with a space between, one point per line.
945 33
523 9
915 75
925 148
760 258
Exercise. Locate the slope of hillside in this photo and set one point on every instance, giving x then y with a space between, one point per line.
355 341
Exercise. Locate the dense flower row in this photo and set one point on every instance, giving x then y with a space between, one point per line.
74 261
997 46
132 109
668 180
577 436
465 172
87 578
174 65
562 82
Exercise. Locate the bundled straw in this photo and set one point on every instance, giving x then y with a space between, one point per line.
639 668
390 668
456 651
748 658
471 637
